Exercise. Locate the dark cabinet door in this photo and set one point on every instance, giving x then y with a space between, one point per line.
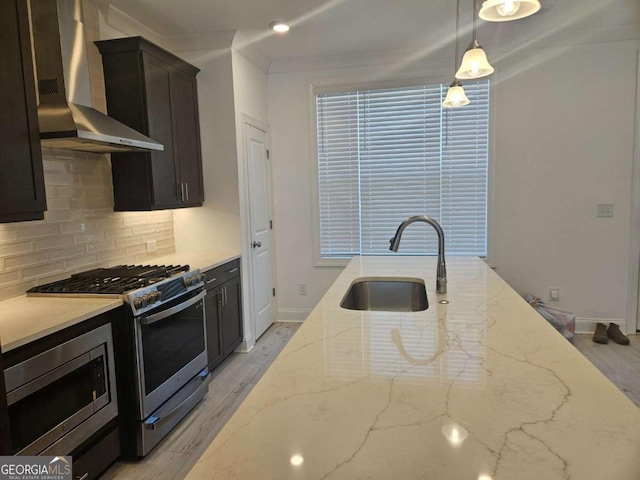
155 92
5 437
212 317
232 316
161 128
22 194
184 94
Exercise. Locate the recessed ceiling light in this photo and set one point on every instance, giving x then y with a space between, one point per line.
279 27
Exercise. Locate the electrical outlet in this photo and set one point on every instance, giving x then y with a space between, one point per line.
605 210
151 246
302 289
554 293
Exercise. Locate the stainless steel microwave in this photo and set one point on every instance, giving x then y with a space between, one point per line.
59 398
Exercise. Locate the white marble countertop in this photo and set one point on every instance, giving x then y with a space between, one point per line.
25 319
481 388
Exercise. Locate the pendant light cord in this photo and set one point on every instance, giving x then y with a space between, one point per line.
455 60
474 21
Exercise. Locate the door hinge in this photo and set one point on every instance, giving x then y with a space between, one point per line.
268 154
271 224
274 292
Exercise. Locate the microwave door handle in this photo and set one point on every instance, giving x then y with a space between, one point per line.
173 310
154 423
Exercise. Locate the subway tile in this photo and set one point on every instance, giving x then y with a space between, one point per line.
10 277
61 179
43 230
58 203
135 250
120 232
68 252
16 290
77 227
20 261
8 234
128 241
94 236
86 261
54 242
54 166
57 216
101 246
15 248
41 270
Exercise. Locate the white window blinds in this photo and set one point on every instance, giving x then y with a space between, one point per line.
387 154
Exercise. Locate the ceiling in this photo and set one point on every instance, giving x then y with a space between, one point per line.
323 28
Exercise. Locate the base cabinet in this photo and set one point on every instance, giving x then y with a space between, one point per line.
223 311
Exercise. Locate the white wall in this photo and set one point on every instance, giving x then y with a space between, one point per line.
562 142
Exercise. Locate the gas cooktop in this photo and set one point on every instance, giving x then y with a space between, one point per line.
140 286
114 280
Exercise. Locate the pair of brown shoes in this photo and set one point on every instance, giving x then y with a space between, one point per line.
603 334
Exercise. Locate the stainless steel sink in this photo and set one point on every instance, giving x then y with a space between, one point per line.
386 294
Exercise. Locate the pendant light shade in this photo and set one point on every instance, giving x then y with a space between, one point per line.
474 63
455 96
507 10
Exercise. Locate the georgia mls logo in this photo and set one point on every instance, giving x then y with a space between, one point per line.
35 468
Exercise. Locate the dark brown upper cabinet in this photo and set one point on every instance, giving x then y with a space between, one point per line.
155 93
22 195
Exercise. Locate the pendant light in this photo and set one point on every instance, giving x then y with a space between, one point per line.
507 10
474 63
455 95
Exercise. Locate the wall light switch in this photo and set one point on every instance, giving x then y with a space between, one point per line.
554 293
605 210
302 289
151 246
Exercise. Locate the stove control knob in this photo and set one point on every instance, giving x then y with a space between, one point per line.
145 300
189 281
201 277
137 302
153 297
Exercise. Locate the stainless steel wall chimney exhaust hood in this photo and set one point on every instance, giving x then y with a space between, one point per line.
67 119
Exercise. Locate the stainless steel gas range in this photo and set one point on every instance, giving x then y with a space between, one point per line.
160 348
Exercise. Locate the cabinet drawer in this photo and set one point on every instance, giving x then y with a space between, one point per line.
219 275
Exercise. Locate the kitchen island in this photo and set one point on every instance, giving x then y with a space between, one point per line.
479 388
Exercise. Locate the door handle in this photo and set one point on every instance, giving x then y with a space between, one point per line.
256 244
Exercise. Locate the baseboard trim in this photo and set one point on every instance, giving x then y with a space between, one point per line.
247 344
588 325
293 314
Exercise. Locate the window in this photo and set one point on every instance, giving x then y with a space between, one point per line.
386 154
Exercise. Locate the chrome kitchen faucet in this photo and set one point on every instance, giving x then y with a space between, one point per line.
441 274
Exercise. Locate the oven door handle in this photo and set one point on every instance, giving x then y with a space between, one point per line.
173 310
154 423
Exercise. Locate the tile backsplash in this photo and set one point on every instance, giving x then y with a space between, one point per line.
80 230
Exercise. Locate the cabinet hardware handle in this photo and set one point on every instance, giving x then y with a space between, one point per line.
220 296
256 244
182 192
226 299
83 477
186 189
233 270
211 281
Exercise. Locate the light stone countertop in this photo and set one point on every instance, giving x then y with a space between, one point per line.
202 261
482 388
25 319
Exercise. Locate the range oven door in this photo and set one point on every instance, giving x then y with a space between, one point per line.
171 349
61 397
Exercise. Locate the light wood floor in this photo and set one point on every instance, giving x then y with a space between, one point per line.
232 382
619 363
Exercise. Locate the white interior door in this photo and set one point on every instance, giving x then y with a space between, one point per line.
260 228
